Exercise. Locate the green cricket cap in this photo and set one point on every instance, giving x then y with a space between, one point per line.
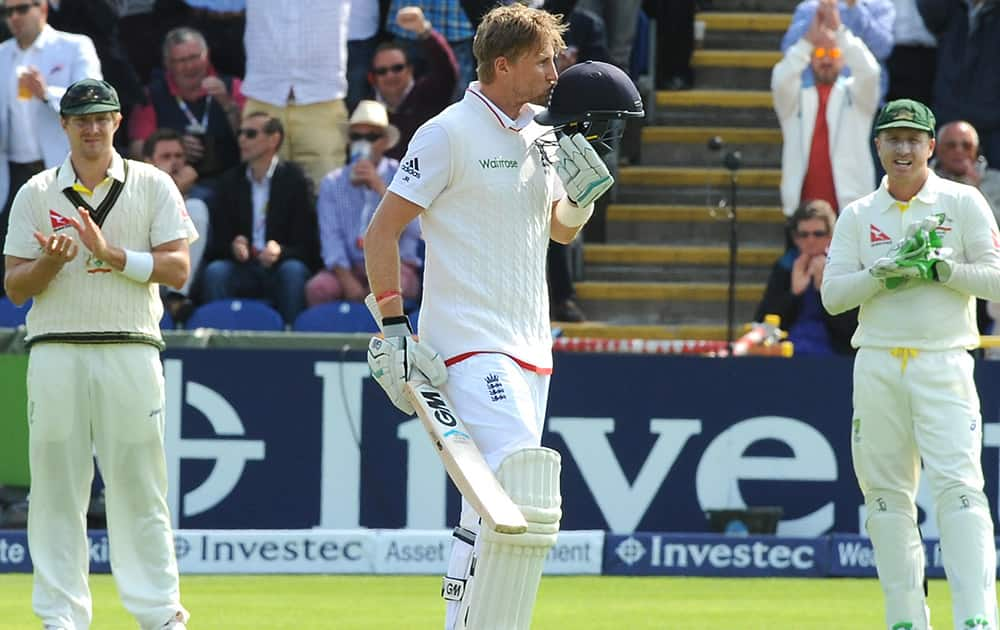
89 96
906 113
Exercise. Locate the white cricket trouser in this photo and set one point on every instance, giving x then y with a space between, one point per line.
109 399
912 406
503 407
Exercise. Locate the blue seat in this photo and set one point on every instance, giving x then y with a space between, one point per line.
235 314
167 322
337 316
12 316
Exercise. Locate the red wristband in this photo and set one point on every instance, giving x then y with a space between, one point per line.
387 295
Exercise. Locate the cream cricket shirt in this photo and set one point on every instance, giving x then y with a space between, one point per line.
921 315
487 197
88 302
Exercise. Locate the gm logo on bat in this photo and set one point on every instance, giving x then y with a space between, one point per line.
442 414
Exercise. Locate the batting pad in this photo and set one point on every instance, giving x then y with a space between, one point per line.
509 566
969 556
899 558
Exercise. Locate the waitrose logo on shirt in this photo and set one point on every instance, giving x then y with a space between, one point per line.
497 163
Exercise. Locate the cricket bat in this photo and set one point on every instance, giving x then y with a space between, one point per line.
465 464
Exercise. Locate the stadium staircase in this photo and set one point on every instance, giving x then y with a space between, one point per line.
663 270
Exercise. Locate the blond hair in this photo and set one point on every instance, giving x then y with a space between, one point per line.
513 31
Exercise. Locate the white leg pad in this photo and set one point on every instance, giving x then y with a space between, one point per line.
899 557
969 555
508 569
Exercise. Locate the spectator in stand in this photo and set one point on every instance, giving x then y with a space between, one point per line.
37 64
98 20
793 286
450 20
620 18
194 101
968 84
221 22
412 102
264 240
913 60
869 20
957 157
164 149
586 40
674 42
297 72
826 127
364 26
347 200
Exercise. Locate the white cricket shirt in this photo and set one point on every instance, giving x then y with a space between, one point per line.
88 302
487 197
921 315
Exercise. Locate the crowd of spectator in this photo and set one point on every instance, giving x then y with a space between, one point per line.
281 121
842 59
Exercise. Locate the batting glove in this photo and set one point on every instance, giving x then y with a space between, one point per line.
398 358
584 175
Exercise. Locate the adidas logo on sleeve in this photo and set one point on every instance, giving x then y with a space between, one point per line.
411 167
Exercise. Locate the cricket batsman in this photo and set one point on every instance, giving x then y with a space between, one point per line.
89 242
490 196
914 255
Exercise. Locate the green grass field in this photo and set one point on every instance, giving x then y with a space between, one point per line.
565 603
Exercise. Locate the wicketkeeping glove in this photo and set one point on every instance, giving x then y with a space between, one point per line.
918 255
584 175
398 358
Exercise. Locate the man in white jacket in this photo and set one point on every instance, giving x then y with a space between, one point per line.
826 127
37 64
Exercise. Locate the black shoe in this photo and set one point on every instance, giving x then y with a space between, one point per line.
179 306
567 311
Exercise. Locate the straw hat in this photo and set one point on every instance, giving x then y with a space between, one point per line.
373 113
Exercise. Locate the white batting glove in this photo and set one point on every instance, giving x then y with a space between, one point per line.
584 175
399 358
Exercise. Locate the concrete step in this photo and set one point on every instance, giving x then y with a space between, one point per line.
604 330
749 6
691 186
693 224
751 31
736 108
749 69
676 263
665 303
688 146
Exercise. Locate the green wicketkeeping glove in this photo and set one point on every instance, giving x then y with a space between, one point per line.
919 255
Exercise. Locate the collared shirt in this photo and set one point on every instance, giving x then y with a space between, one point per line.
487 191
446 16
86 296
260 193
363 20
22 143
219 6
920 314
346 209
909 28
296 49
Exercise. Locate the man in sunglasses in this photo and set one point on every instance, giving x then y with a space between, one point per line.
957 157
914 254
263 242
347 200
412 102
36 65
825 127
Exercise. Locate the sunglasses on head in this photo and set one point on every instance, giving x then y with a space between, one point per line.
395 68
19 9
812 233
832 53
370 137
249 133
